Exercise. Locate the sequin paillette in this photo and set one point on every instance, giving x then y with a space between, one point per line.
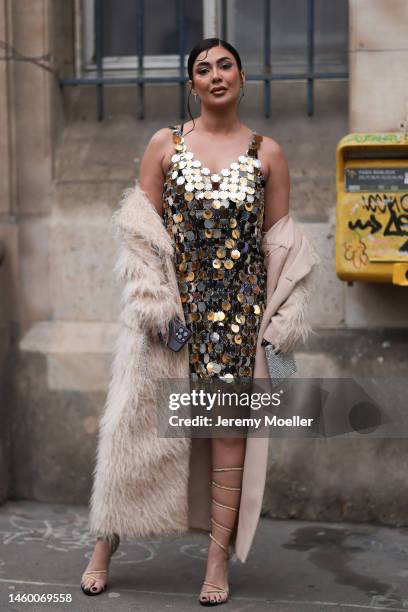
215 221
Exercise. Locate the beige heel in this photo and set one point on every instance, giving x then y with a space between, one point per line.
216 588
114 542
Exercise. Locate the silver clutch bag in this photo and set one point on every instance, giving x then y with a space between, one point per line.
280 365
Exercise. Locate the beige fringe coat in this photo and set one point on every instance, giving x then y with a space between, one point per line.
145 485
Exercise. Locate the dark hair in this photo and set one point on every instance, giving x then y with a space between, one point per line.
205 45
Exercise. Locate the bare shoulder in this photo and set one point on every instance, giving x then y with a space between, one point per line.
152 166
273 157
160 140
159 150
272 148
277 188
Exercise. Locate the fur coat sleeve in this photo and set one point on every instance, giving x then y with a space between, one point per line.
148 299
292 264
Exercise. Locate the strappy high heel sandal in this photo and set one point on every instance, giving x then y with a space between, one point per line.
216 588
97 574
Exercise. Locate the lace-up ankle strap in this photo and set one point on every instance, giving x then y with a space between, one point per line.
224 548
216 484
226 469
223 505
221 526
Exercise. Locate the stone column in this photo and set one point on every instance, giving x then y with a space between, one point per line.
378 64
36 34
8 242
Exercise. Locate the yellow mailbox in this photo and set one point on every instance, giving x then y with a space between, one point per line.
372 208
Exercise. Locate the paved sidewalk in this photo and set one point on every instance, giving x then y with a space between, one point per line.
293 566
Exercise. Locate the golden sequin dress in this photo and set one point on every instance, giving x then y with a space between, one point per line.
215 222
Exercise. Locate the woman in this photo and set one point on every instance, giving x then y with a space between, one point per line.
218 187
